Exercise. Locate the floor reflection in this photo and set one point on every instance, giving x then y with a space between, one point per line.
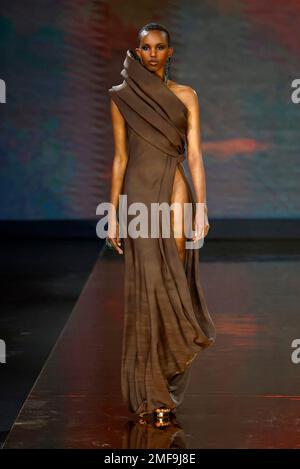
243 393
143 434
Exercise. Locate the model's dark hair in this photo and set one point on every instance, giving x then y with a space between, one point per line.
154 27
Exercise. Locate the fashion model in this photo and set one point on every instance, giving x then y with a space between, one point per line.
166 319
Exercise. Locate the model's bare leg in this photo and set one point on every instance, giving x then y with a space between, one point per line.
180 195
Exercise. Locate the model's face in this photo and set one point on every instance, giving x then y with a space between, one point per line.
154 50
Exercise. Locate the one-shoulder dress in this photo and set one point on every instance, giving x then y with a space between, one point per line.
166 319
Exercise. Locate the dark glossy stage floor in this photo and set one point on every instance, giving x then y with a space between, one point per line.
244 391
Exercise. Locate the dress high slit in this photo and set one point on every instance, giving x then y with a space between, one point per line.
166 319
180 195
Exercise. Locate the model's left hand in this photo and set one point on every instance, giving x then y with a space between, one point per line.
201 223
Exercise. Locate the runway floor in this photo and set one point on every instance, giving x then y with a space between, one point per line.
244 391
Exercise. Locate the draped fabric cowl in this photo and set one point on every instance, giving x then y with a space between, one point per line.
166 319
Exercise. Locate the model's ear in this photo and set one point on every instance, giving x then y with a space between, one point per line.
171 51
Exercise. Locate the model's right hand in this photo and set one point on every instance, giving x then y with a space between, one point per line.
114 236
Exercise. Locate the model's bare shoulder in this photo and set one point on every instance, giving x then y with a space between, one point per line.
184 92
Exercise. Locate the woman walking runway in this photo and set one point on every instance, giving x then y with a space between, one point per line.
166 319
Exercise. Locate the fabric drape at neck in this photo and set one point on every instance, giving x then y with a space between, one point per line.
160 116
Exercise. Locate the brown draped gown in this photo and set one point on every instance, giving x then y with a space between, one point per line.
166 319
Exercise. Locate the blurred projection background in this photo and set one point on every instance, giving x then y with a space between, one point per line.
59 57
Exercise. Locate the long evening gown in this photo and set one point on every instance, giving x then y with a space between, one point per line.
166 319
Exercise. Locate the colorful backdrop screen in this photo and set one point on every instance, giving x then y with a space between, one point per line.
58 59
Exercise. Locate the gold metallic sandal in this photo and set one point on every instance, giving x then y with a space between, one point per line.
162 416
162 412
145 418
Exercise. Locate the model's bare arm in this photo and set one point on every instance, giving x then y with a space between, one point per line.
120 153
118 170
194 153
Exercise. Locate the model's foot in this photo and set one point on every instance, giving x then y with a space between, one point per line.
162 412
162 423
145 418
143 421
162 417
